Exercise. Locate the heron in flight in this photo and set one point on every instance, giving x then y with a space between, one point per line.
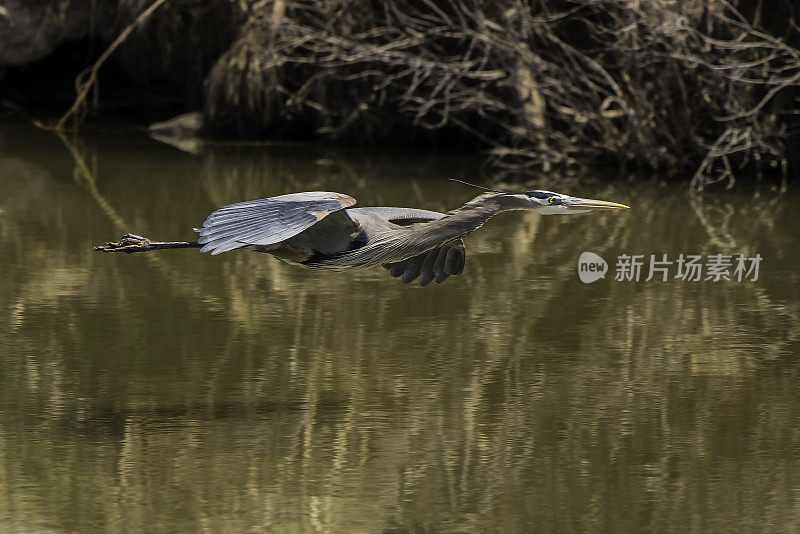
322 230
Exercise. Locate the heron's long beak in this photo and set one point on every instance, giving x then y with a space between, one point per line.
587 204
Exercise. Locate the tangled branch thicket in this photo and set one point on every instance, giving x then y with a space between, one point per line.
673 84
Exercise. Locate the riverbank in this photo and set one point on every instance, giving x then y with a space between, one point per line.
691 90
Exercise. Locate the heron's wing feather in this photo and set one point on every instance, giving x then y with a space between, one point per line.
434 265
267 221
398 215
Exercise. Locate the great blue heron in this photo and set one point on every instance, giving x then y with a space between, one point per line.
321 230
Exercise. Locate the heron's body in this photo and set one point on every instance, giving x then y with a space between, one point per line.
322 230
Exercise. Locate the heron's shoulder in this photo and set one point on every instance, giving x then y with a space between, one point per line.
344 201
396 215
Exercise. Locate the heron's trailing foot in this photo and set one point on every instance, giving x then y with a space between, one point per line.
128 243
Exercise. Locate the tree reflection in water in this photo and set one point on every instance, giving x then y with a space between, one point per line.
190 393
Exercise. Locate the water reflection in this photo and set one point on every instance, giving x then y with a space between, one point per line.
177 392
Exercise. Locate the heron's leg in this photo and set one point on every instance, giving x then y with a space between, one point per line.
130 243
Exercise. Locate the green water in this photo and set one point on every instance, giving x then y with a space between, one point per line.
179 392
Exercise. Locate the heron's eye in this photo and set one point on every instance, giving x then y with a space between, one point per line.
551 200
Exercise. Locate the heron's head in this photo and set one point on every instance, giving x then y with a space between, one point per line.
549 203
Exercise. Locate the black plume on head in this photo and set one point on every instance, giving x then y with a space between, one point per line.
473 185
540 194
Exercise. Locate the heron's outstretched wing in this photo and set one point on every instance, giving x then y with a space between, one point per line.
435 265
412 252
267 221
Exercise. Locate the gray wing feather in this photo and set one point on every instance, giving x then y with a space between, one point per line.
412 268
267 221
454 263
427 275
433 265
396 269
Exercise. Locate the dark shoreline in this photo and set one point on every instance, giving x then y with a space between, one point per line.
687 90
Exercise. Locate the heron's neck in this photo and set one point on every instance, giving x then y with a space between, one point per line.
477 211
466 219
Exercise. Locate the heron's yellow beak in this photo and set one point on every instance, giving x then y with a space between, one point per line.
588 204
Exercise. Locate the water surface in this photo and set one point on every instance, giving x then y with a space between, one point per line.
179 392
